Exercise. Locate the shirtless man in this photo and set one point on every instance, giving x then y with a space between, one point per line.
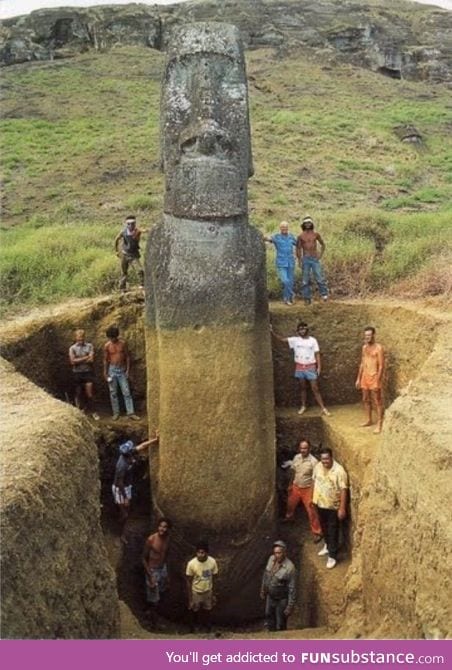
370 377
154 561
116 372
309 257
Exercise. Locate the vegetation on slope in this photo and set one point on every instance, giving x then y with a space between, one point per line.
80 151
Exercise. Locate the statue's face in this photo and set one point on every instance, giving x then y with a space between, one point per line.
205 131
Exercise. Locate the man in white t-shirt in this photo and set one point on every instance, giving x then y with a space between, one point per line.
307 363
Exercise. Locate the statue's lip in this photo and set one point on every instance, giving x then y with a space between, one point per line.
214 159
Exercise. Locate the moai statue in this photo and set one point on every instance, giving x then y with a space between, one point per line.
210 380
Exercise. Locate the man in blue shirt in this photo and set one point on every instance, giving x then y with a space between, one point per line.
285 244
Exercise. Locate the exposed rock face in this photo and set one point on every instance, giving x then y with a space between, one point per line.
208 341
401 40
55 576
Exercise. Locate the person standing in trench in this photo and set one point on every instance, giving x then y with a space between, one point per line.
154 562
370 377
278 588
81 357
122 487
116 372
330 500
201 573
308 365
301 487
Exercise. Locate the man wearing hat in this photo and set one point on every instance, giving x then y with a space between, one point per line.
309 256
122 483
278 588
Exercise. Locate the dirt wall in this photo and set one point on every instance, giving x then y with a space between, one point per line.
56 581
338 327
406 548
38 344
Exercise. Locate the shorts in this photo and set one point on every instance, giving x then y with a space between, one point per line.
82 378
309 375
160 576
369 383
204 600
118 496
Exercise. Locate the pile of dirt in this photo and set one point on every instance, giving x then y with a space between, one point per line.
55 577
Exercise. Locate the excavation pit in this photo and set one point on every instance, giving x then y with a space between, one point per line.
395 478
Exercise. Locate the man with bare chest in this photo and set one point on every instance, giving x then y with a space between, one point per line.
370 377
309 256
154 562
116 372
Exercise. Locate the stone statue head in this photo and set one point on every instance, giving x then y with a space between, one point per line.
205 133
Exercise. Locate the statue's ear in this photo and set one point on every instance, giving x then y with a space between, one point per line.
250 160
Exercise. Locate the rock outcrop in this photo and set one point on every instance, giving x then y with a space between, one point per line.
398 39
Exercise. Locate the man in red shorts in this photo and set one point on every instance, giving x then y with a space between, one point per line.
370 377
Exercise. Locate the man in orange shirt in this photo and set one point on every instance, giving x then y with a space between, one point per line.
370 377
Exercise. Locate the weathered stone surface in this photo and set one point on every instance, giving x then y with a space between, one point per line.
208 342
56 580
399 39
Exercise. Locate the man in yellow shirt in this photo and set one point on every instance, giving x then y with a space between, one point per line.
330 499
200 574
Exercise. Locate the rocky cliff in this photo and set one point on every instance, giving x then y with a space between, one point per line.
398 39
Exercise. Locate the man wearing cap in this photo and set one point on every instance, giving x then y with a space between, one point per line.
285 244
278 588
122 483
309 256
130 251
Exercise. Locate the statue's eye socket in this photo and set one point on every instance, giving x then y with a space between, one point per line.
189 145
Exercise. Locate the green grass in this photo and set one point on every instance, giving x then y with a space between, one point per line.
80 151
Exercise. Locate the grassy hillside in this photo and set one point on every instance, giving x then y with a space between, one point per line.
80 152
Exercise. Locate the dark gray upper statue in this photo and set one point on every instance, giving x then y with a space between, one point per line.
205 133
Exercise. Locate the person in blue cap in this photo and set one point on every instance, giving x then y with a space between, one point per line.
122 483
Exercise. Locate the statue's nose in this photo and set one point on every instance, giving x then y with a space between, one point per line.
207 140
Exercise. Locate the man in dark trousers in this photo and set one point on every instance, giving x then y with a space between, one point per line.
278 588
330 499
129 253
